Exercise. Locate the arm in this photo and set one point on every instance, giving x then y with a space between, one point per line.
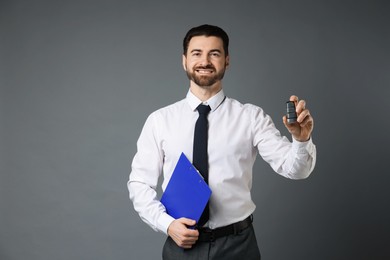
146 169
296 159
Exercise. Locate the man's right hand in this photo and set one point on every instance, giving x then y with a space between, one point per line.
180 233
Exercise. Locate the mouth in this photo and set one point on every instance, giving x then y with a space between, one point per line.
204 71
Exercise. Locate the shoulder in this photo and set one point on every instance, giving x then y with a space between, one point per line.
170 108
169 111
244 108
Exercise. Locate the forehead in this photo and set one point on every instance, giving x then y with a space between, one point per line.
205 43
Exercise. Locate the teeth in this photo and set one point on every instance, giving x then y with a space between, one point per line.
204 71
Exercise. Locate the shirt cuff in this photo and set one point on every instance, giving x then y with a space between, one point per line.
303 147
163 222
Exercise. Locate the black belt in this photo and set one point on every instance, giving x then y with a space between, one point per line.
209 235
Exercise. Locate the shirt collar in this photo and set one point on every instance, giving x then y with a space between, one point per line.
213 102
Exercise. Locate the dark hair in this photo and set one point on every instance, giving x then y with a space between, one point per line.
206 30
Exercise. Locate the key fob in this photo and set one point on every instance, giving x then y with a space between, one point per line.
291 113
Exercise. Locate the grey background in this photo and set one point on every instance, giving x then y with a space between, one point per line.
79 78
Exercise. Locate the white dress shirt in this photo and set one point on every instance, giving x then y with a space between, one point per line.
237 132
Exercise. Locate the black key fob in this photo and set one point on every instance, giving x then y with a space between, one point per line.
291 113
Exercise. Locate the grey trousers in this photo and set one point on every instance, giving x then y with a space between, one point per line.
241 246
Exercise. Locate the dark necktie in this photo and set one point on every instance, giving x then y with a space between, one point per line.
200 158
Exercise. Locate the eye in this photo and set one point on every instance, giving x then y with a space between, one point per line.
215 54
196 54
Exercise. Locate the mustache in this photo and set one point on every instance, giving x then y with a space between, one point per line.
205 67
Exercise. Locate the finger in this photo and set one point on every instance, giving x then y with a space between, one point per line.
294 98
308 121
301 106
187 221
287 124
183 244
304 117
291 127
187 240
183 240
186 245
191 234
285 120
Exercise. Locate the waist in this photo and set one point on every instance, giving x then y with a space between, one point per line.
209 235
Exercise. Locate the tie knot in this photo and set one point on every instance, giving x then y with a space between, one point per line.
203 109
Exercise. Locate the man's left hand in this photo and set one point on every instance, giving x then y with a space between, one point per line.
300 130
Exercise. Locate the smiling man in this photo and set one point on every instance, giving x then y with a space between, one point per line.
206 62
234 134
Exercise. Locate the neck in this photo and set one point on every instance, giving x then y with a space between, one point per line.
205 93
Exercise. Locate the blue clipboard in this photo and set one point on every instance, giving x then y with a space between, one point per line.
186 194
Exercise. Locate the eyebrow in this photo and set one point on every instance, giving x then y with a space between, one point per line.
199 50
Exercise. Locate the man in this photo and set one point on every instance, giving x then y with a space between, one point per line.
236 133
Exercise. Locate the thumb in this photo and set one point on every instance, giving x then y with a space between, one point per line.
187 221
291 127
286 124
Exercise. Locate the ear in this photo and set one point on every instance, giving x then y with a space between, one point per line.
184 61
227 61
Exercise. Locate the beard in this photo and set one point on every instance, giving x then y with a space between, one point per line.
205 81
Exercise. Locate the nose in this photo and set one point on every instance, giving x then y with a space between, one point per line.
205 60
